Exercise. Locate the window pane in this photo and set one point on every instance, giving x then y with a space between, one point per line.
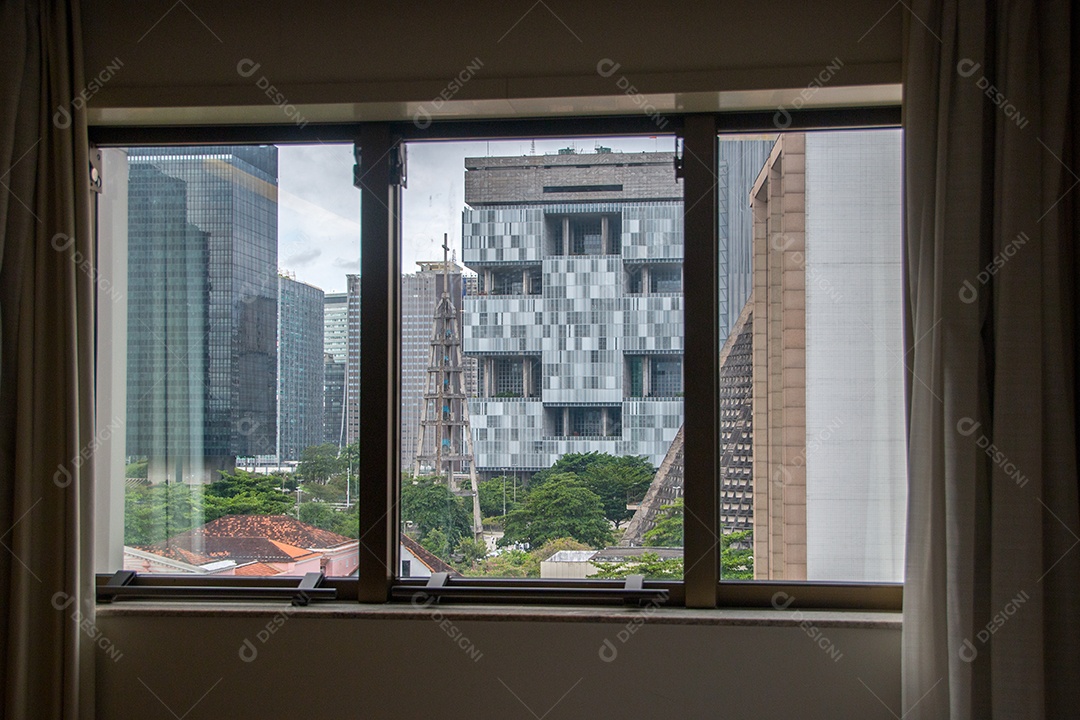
240 317
541 359
813 471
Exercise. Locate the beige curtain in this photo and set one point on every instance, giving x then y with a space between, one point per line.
46 375
992 596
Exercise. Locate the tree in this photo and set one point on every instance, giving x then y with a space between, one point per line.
153 513
436 543
318 463
497 491
561 507
737 555
346 522
332 491
573 463
668 530
649 564
429 504
318 514
510 563
472 551
513 562
245 493
619 481
616 480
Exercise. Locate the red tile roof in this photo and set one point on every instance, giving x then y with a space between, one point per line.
197 549
257 569
281 528
294 552
177 553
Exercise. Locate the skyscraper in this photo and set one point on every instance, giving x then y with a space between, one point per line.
740 160
352 360
577 324
203 299
336 354
300 368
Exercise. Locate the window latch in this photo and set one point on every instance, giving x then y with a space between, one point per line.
97 178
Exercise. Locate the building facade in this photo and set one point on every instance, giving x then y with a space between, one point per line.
335 356
828 407
577 323
740 160
300 368
352 361
203 301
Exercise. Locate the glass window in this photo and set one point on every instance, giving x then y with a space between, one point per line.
813 463
239 313
561 456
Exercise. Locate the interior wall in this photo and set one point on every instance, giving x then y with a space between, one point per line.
162 54
189 54
382 668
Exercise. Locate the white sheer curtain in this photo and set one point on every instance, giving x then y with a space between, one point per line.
992 595
46 373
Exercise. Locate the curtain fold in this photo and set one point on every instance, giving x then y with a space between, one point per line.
992 181
46 367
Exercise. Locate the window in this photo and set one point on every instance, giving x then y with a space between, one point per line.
653 279
654 376
238 454
583 233
540 358
548 332
813 466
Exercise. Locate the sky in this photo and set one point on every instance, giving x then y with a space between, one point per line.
319 209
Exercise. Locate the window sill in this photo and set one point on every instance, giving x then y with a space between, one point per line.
496 613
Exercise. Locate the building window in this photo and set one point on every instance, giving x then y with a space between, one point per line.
652 279
240 365
654 376
589 234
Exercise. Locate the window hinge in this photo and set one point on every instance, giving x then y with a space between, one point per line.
398 165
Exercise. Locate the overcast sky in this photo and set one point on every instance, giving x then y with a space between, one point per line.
319 209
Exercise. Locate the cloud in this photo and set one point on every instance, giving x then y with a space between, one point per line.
349 265
304 257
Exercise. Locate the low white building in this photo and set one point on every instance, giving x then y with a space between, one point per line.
568 564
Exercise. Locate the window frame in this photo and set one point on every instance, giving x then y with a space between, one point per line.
379 148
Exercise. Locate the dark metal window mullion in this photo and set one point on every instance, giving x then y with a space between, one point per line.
380 289
702 362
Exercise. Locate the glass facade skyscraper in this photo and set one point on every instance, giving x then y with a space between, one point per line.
335 355
203 247
740 160
300 368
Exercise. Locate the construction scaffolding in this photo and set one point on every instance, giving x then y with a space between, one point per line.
444 446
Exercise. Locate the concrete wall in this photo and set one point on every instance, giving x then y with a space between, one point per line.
365 667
